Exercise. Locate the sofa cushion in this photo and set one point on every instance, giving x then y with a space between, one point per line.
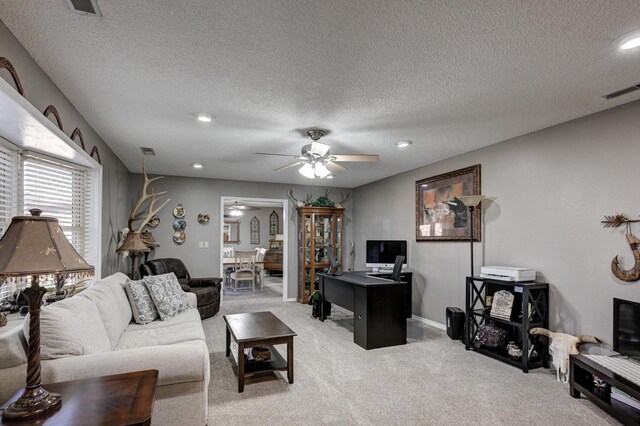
111 299
13 348
142 307
167 295
70 327
182 328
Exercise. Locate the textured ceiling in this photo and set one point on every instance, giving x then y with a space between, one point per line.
452 76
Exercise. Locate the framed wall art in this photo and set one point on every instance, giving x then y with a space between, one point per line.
274 223
440 215
255 231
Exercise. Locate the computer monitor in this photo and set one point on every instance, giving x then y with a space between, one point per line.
381 254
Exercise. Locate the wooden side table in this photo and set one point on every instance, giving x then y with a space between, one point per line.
259 329
121 399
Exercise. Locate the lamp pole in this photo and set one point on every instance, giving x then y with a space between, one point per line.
471 201
471 235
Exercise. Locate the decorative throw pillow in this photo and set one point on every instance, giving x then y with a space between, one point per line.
167 295
142 307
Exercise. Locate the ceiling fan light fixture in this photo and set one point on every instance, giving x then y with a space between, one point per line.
205 117
321 170
235 212
307 170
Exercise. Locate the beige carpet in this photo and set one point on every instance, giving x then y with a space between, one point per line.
431 380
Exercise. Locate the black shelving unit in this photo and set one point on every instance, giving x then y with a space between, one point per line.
535 294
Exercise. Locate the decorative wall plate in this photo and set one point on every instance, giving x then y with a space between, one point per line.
154 221
179 212
179 237
179 225
203 218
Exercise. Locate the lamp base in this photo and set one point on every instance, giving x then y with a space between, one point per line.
33 403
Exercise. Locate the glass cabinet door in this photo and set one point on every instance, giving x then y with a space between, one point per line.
319 229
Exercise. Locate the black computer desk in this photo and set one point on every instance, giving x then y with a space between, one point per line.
377 305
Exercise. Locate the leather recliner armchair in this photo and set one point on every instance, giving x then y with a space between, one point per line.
207 290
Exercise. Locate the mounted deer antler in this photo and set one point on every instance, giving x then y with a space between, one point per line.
145 197
345 198
298 203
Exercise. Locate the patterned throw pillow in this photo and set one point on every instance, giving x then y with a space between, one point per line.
144 311
167 295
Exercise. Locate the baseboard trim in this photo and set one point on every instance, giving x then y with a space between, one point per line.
291 299
429 322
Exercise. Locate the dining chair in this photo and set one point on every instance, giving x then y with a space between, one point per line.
244 269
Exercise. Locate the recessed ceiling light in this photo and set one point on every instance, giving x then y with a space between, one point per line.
197 165
205 117
630 41
403 144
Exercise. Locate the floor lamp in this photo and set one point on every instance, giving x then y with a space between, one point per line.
36 247
471 201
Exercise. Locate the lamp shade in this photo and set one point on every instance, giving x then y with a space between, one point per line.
471 200
35 245
148 240
133 244
321 170
307 170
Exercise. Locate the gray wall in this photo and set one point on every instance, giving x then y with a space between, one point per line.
41 92
203 196
550 190
245 226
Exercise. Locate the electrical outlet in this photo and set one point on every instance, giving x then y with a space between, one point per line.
206 244
200 244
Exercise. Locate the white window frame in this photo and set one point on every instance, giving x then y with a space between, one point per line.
45 138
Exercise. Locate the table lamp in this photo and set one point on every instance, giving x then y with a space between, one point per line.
133 244
36 247
471 201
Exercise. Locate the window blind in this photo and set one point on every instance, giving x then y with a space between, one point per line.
9 166
62 191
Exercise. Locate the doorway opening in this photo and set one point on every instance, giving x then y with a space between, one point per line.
254 247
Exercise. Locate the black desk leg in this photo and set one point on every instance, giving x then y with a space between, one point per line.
322 317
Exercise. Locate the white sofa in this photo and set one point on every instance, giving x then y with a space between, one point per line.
91 334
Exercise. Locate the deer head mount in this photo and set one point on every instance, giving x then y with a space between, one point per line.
151 198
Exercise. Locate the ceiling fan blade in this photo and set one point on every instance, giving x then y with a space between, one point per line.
320 149
276 155
297 163
335 168
364 158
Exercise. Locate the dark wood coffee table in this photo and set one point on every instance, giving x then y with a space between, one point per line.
259 329
121 399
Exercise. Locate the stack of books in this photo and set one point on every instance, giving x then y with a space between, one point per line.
620 396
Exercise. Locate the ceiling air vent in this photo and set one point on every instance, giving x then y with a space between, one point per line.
147 151
86 7
622 92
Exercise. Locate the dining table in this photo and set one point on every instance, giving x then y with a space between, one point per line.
229 262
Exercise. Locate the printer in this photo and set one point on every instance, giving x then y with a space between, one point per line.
508 273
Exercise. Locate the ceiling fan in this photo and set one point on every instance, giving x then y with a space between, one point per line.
316 161
236 208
